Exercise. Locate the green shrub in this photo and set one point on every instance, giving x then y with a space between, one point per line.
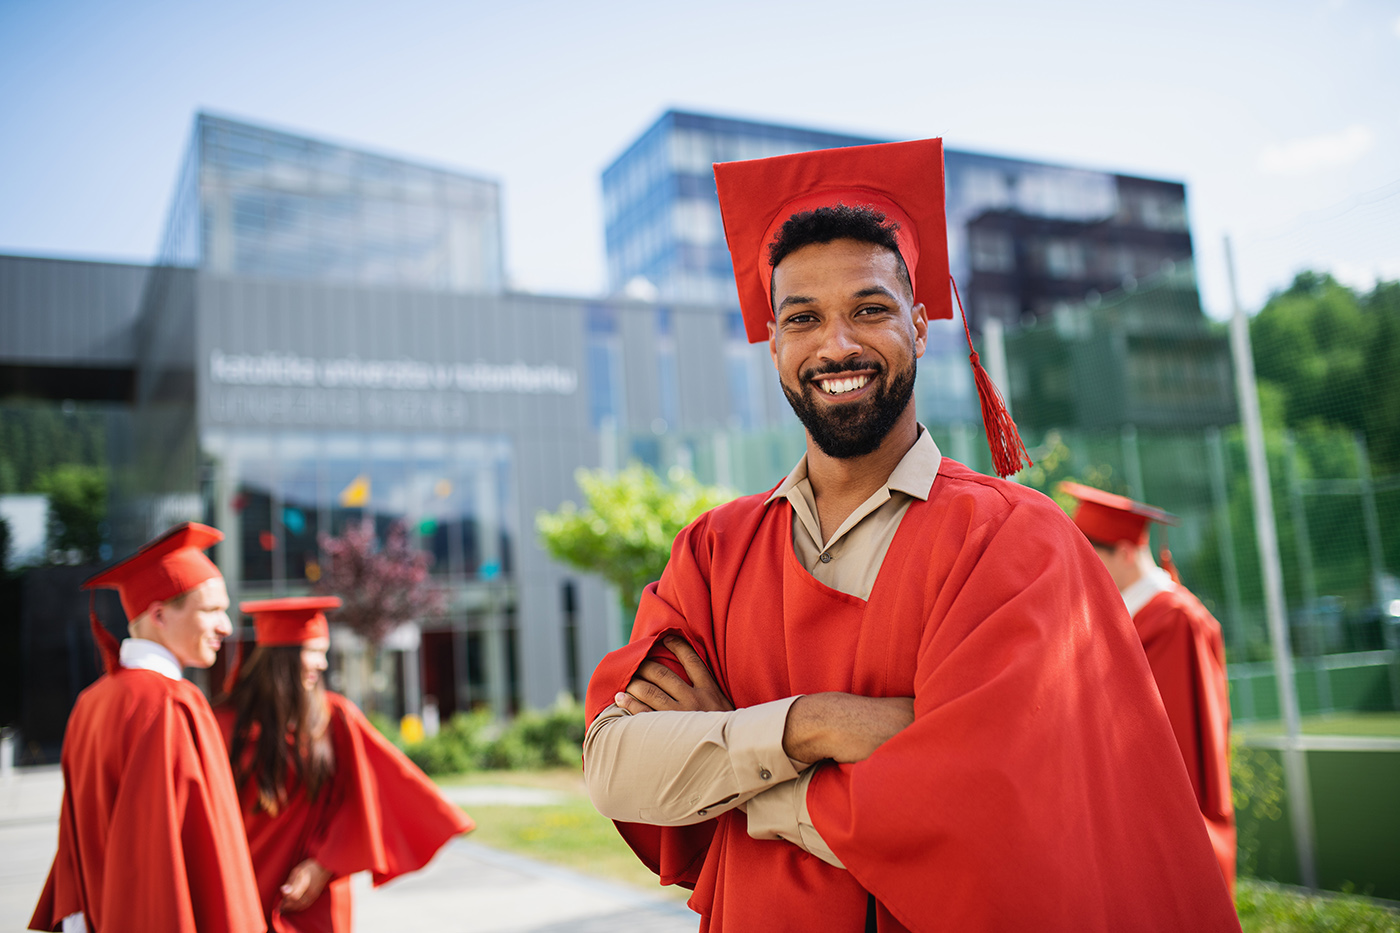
386 726
471 741
1256 782
541 739
460 745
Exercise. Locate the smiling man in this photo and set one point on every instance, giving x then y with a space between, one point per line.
892 693
150 836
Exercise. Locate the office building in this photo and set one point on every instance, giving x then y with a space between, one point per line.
1024 237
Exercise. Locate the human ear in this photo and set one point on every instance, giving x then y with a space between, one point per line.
773 342
920 314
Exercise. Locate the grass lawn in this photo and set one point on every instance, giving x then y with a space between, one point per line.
1368 724
1269 908
569 833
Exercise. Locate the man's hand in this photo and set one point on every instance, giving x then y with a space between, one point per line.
657 687
843 726
305 883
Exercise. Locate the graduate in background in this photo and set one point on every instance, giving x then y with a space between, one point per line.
323 794
1184 647
149 836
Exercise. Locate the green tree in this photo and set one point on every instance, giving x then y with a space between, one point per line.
624 533
77 507
37 436
1056 463
1333 358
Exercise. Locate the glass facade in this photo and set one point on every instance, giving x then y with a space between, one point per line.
660 207
258 202
453 493
668 381
606 406
1024 237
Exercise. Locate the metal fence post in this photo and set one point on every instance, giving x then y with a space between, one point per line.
1294 762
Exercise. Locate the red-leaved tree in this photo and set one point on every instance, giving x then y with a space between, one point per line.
380 587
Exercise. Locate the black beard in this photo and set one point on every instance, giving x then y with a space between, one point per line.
852 430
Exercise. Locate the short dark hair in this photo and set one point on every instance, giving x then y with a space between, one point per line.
839 222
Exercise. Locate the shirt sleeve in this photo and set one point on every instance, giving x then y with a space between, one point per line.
781 813
671 768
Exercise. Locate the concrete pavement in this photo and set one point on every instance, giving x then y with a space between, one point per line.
469 887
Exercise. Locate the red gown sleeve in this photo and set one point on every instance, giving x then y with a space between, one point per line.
191 870
390 818
63 876
1188 665
1185 648
679 603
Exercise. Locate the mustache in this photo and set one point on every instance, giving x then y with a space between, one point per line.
846 366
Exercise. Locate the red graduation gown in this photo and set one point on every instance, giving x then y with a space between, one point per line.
1039 787
379 813
1187 654
149 836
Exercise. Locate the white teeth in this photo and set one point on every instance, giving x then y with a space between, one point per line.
842 386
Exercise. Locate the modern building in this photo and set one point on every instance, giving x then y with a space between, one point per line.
1023 237
253 201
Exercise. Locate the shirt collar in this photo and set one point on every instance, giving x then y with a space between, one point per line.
150 656
1140 593
913 475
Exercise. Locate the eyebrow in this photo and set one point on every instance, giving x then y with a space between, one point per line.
866 292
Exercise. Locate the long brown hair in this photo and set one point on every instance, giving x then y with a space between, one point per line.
270 707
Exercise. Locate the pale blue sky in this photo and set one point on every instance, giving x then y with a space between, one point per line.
1282 117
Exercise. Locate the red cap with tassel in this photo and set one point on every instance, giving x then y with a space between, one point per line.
170 565
902 183
283 622
1107 518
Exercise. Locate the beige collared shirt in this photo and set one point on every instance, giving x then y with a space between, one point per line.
673 768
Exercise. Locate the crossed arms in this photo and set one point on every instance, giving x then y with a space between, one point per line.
673 752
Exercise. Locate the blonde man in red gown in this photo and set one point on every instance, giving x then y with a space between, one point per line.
149 836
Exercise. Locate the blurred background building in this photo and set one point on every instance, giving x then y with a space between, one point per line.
1024 238
327 338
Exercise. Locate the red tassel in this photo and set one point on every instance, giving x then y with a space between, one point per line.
1004 441
107 645
1164 558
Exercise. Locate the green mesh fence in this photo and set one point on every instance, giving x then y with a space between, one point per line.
1134 392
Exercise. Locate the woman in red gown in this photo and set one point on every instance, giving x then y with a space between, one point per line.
323 794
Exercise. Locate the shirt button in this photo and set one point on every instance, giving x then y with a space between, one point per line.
703 812
826 558
765 774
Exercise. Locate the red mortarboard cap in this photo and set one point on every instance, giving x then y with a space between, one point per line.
904 182
170 565
1106 518
291 621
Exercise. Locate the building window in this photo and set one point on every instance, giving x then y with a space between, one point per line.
993 251
569 606
1064 259
668 388
745 389
604 352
